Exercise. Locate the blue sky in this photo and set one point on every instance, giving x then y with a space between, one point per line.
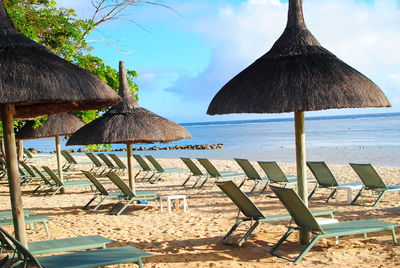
185 56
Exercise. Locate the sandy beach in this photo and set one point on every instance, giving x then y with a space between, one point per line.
193 239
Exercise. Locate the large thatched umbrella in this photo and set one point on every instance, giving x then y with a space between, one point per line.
34 82
128 123
55 126
297 75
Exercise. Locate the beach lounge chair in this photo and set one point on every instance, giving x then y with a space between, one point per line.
98 167
372 181
195 172
7 214
81 259
159 170
252 213
276 175
101 191
120 164
107 161
144 167
31 219
28 156
46 182
71 161
128 195
60 185
29 174
215 173
252 174
327 180
305 221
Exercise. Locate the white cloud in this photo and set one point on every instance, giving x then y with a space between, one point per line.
365 35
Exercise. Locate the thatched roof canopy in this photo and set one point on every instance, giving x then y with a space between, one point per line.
38 82
127 122
297 74
55 125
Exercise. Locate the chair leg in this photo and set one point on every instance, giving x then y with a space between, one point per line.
101 201
357 196
187 179
225 238
56 191
248 233
243 182
197 181
379 198
331 195
125 206
264 188
394 236
307 249
313 192
256 183
46 229
90 201
283 238
113 207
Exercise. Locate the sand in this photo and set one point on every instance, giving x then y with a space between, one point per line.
193 239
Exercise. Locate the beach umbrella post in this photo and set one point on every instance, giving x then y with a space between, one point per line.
127 122
55 126
36 82
297 75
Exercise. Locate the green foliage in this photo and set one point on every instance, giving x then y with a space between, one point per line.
60 31
98 147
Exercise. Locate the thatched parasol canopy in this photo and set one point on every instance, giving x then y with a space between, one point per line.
56 125
38 82
127 122
296 74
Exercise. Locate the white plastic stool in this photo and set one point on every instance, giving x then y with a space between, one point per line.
173 199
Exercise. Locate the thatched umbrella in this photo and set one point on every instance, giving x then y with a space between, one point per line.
128 123
296 75
34 82
55 126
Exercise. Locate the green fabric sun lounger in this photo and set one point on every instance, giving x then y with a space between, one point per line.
60 185
252 174
7 214
276 175
144 167
120 164
372 181
159 170
107 161
35 219
327 180
195 172
98 167
215 173
128 195
81 259
252 212
71 161
305 221
68 244
102 192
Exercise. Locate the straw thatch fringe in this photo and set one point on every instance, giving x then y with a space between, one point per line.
297 74
127 122
39 82
55 125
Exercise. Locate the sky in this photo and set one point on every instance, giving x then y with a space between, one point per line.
184 54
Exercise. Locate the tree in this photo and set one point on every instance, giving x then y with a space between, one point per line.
64 34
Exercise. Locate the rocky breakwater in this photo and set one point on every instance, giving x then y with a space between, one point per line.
157 148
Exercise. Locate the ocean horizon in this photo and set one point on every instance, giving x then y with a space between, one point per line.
362 138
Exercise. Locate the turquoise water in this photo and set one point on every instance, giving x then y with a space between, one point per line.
336 139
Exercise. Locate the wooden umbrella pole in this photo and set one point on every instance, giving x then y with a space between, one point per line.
301 166
130 166
7 112
59 167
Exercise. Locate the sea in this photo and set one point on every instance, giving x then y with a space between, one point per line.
366 138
